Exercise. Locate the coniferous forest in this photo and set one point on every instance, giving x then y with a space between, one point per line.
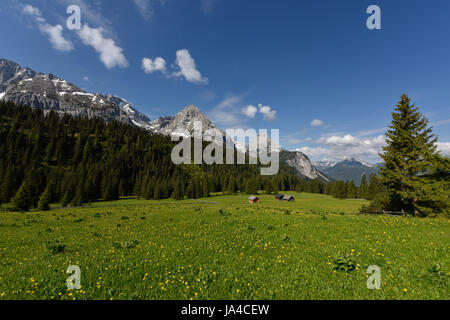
71 160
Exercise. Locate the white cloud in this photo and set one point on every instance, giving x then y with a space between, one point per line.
348 146
32 11
54 33
150 66
228 113
188 68
250 111
56 37
110 54
444 147
268 113
316 123
341 147
86 78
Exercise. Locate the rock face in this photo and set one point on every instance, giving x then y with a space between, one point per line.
11 72
184 121
301 164
323 165
137 118
24 86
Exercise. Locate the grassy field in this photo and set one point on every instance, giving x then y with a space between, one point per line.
222 248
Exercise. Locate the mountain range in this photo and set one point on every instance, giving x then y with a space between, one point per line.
350 169
24 86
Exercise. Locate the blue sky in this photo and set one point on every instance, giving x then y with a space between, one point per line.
309 68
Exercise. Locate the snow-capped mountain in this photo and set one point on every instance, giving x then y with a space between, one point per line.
184 121
24 86
137 118
351 169
323 165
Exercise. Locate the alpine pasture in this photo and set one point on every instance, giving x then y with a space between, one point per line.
222 247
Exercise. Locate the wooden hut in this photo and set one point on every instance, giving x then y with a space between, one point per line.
253 199
288 198
278 197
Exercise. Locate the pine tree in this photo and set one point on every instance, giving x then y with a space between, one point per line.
351 190
363 187
232 187
158 191
374 187
190 191
409 157
268 189
177 193
250 187
44 201
21 200
275 188
205 189
65 200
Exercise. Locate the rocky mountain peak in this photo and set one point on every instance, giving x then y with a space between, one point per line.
184 121
11 72
24 86
191 113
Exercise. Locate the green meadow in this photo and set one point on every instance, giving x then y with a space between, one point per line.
222 247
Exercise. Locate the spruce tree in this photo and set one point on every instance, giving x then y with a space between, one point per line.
250 187
268 188
409 158
275 188
21 200
232 187
177 193
44 201
65 200
374 187
158 191
205 189
351 190
362 192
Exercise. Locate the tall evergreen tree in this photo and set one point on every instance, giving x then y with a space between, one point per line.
362 192
409 158
232 187
250 187
21 200
177 193
268 189
44 201
351 190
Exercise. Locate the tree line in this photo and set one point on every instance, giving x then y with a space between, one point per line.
46 158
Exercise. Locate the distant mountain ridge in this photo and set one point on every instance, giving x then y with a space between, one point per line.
324 164
350 169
